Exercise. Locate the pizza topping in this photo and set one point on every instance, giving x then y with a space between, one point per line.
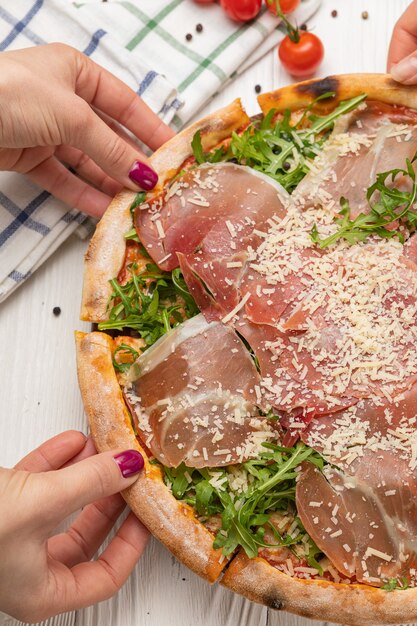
371 535
373 505
148 301
348 324
278 145
370 426
243 496
204 210
193 397
212 241
388 216
361 145
322 356
331 328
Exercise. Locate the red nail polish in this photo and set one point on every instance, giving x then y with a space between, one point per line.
143 175
130 462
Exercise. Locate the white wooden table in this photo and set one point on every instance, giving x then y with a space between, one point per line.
38 384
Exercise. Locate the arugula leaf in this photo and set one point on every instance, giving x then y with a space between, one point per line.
198 148
151 303
139 199
244 515
204 492
132 235
319 124
279 149
392 205
176 477
123 367
182 290
394 584
314 551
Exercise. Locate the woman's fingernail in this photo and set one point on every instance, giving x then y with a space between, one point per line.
143 175
405 70
130 462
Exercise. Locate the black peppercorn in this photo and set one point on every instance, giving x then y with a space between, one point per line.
199 28
257 89
188 36
56 311
334 13
303 27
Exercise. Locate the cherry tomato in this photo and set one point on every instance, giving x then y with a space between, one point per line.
241 10
286 6
302 58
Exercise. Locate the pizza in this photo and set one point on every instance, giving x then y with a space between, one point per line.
254 337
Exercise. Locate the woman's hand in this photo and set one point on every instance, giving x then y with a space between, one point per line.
402 55
42 574
58 107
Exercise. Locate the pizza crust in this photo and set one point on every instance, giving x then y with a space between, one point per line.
175 525
106 252
171 521
213 128
300 95
355 605
104 257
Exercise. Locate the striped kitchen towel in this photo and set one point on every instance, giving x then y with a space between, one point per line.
32 223
145 44
198 66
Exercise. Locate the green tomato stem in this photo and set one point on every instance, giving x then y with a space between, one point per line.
292 31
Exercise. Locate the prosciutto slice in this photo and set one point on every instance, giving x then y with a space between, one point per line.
375 139
193 396
365 523
293 390
209 222
363 513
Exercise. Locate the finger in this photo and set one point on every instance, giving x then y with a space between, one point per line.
22 160
41 166
88 450
402 44
119 130
52 454
114 155
88 170
109 94
87 533
99 476
405 71
404 37
61 183
89 583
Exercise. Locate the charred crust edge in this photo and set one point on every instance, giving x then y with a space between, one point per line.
319 87
274 603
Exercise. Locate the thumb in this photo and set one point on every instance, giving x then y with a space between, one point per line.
101 475
405 71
